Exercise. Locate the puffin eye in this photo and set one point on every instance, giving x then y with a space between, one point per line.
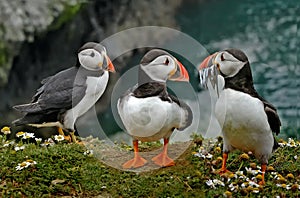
222 57
92 54
166 61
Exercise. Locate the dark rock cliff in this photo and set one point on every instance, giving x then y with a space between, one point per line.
40 38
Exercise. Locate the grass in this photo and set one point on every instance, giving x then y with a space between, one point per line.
67 170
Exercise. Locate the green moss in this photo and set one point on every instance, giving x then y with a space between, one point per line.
68 13
63 170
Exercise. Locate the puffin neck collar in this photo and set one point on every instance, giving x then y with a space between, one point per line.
90 69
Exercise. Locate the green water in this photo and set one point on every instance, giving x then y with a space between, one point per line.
267 32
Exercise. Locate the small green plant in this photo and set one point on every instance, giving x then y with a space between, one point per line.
53 168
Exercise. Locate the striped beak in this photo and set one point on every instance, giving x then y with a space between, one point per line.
180 74
110 66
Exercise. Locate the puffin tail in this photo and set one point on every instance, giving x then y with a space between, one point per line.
19 122
28 108
276 145
188 116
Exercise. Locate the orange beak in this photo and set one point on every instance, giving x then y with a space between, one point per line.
181 73
110 66
207 61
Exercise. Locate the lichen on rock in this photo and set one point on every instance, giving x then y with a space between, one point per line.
21 21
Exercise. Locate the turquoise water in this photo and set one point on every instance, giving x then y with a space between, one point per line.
267 32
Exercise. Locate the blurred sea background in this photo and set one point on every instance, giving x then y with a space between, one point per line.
267 31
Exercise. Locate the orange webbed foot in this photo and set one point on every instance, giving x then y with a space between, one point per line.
163 160
136 162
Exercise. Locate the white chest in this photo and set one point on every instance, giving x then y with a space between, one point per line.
94 90
145 117
243 120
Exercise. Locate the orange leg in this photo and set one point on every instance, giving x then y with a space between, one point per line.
137 161
224 169
61 132
163 159
263 170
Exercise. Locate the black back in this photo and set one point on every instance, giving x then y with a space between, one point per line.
243 82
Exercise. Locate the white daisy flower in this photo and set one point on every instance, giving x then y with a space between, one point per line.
8 143
288 187
239 172
203 154
295 157
250 171
20 134
200 155
253 184
210 183
28 136
48 142
244 185
5 130
281 144
25 164
209 156
19 148
233 187
88 152
38 140
22 165
216 181
59 138
291 143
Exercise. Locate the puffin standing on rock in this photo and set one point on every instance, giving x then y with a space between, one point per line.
69 94
247 120
148 111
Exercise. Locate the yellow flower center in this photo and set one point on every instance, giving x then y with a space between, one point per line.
5 128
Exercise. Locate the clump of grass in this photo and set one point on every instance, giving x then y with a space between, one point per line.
62 169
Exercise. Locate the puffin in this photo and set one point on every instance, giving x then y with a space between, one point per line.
67 95
248 121
148 111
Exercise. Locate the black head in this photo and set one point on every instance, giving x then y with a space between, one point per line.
93 56
159 66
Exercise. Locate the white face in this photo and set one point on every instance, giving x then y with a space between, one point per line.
91 59
228 64
161 68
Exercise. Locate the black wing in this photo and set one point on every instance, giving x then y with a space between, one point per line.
271 112
58 92
189 113
273 118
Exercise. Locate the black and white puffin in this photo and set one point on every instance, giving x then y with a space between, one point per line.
69 94
247 120
148 111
